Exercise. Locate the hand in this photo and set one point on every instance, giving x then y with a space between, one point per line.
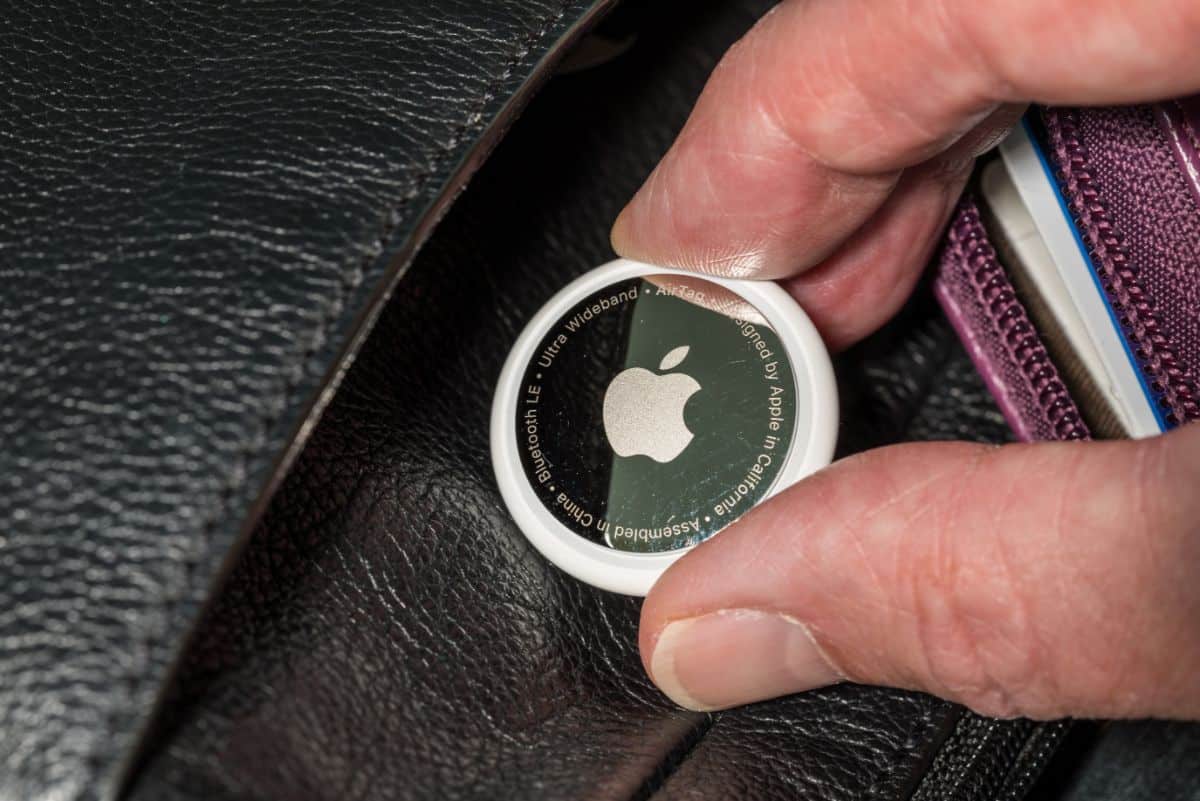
1043 580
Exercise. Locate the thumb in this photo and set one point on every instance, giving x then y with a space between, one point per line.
1039 580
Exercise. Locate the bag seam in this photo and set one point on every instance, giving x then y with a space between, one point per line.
907 749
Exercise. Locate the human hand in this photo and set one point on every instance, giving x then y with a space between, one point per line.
1043 580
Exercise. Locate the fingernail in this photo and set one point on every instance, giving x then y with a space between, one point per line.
619 236
624 235
737 656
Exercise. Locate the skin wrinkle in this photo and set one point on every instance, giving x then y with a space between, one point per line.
1131 552
893 108
907 615
697 586
737 258
923 629
854 527
837 282
777 98
776 118
853 96
1115 670
892 500
925 567
962 41
932 586
731 264
1008 59
843 185
1176 468
773 117
664 200
1097 670
1060 533
819 106
887 111
1152 471
707 186
840 190
816 633
850 189
1092 594
1043 643
1018 635
766 545
780 533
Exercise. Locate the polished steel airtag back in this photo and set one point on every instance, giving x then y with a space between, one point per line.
643 410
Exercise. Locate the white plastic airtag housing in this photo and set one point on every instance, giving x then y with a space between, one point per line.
601 471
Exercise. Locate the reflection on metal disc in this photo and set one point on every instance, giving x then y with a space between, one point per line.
656 411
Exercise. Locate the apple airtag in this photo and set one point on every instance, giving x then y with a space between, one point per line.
645 409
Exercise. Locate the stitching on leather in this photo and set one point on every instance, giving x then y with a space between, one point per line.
906 749
674 759
350 279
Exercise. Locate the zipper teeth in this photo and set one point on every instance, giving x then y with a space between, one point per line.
1006 740
1118 275
1025 347
1048 738
994 760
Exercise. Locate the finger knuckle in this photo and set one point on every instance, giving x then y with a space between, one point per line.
975 613
980 651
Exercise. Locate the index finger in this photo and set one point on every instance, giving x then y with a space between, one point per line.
804 130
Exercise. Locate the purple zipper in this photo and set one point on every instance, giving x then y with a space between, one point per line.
981 304
1140 222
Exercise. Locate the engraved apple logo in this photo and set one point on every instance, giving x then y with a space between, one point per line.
643 411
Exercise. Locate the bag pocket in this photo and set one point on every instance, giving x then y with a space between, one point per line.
1140 224
1129 178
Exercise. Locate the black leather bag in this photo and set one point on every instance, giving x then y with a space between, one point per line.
250 543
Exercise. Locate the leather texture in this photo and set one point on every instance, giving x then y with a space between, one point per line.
389 633
208 208
200 208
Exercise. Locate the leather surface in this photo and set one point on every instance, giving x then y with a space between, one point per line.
200 206
390 634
